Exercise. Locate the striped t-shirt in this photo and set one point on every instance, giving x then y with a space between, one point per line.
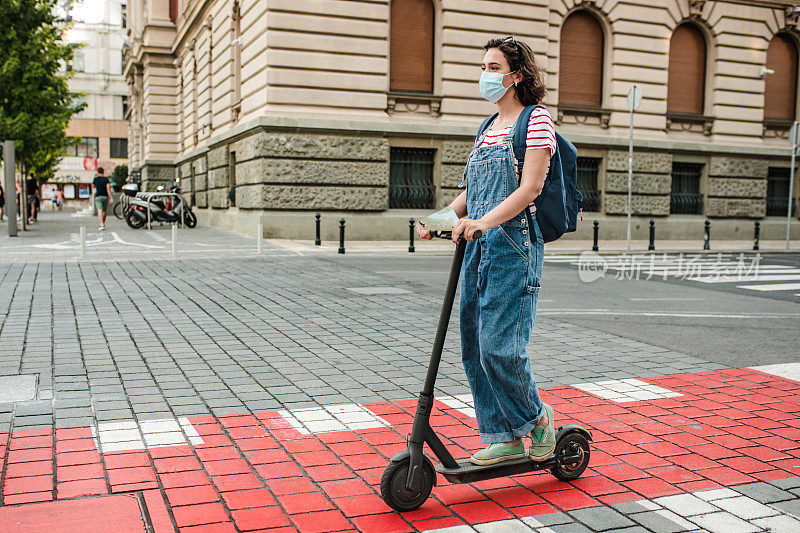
541 134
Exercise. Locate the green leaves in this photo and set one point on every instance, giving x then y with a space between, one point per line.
35 102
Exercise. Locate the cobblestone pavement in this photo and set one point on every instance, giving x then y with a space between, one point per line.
225 392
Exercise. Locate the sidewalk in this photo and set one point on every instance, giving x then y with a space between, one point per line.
228 391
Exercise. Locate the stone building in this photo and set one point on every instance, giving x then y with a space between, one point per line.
367 108
99 26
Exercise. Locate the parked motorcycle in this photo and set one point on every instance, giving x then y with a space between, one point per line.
168 209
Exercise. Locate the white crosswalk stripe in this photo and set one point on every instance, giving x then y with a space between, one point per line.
745 270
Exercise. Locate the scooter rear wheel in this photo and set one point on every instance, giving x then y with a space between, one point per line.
572 444
393 486
134 221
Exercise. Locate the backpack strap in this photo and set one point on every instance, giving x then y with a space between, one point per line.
485 124
520 142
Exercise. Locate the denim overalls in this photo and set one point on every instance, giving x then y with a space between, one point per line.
499 292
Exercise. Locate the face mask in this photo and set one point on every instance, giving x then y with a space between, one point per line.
491 85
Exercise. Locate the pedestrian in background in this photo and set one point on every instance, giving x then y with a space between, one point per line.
2 202
102 196
60 197
31 190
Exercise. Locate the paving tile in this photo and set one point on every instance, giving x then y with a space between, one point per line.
723 522
764 492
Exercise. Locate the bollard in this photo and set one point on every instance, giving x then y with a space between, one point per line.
174 240
411 235
758 230
596 233
652 245
318 240
707 238
260 238
83 242
341 236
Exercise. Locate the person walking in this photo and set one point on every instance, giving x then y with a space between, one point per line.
501 270
31 192
2 202
102 196
60 197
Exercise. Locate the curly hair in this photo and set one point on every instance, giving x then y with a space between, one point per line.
531 90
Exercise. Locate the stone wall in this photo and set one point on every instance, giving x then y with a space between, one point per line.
650 184
155 174
737 187
282 171
454 159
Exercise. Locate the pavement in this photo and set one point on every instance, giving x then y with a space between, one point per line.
221 389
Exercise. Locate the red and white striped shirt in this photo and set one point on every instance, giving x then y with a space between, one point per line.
541 134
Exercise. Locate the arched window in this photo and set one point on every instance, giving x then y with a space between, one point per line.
686 87
580 70
780 93
411 46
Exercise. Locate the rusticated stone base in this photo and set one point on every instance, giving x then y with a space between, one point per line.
736 207
155 174
617 204
261 196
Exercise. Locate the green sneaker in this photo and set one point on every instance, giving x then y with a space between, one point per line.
497 452
543 438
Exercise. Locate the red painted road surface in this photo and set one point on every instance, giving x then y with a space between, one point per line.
257 472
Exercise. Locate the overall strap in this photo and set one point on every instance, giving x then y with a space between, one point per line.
521 134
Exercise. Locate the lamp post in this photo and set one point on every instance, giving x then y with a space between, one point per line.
634 100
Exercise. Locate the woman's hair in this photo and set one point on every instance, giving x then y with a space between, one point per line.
531 90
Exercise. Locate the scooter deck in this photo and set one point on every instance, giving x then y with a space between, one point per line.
466 472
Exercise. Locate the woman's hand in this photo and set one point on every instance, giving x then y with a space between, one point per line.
423 232
466 227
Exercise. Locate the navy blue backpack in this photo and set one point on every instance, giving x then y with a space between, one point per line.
559 203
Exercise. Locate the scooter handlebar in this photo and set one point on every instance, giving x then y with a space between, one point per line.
441 234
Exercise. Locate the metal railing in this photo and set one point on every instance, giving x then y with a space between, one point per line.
411 179
686 203
776 206
150 196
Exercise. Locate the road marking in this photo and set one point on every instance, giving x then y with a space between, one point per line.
771 287
734 279
342 417
119 240
463 403
782 370
626 390
127 435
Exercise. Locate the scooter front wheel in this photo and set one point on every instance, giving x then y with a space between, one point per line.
394 490
133 220
572 456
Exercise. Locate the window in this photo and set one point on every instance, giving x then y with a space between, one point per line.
119 148
124 106
686 198
780 92
411 46
686 86
124 13
236 50
173 10
588 169
411 178
778 192
231 179
580 69
86 148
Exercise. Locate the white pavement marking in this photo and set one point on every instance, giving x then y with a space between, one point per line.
782 370
128 435
744 279
665 299
343 417
463 403
118 239
626 390
771 287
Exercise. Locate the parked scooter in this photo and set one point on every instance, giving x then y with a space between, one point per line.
166 209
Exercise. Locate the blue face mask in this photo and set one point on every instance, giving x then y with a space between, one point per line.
491 85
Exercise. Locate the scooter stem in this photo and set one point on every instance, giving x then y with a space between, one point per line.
444 318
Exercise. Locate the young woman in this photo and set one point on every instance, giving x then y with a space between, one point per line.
501 270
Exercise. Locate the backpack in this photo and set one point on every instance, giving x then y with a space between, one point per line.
559 203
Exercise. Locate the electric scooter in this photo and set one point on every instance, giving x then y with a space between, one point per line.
410 476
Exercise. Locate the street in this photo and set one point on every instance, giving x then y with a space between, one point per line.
223 390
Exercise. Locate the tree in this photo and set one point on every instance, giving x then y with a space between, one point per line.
35 102
119 176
